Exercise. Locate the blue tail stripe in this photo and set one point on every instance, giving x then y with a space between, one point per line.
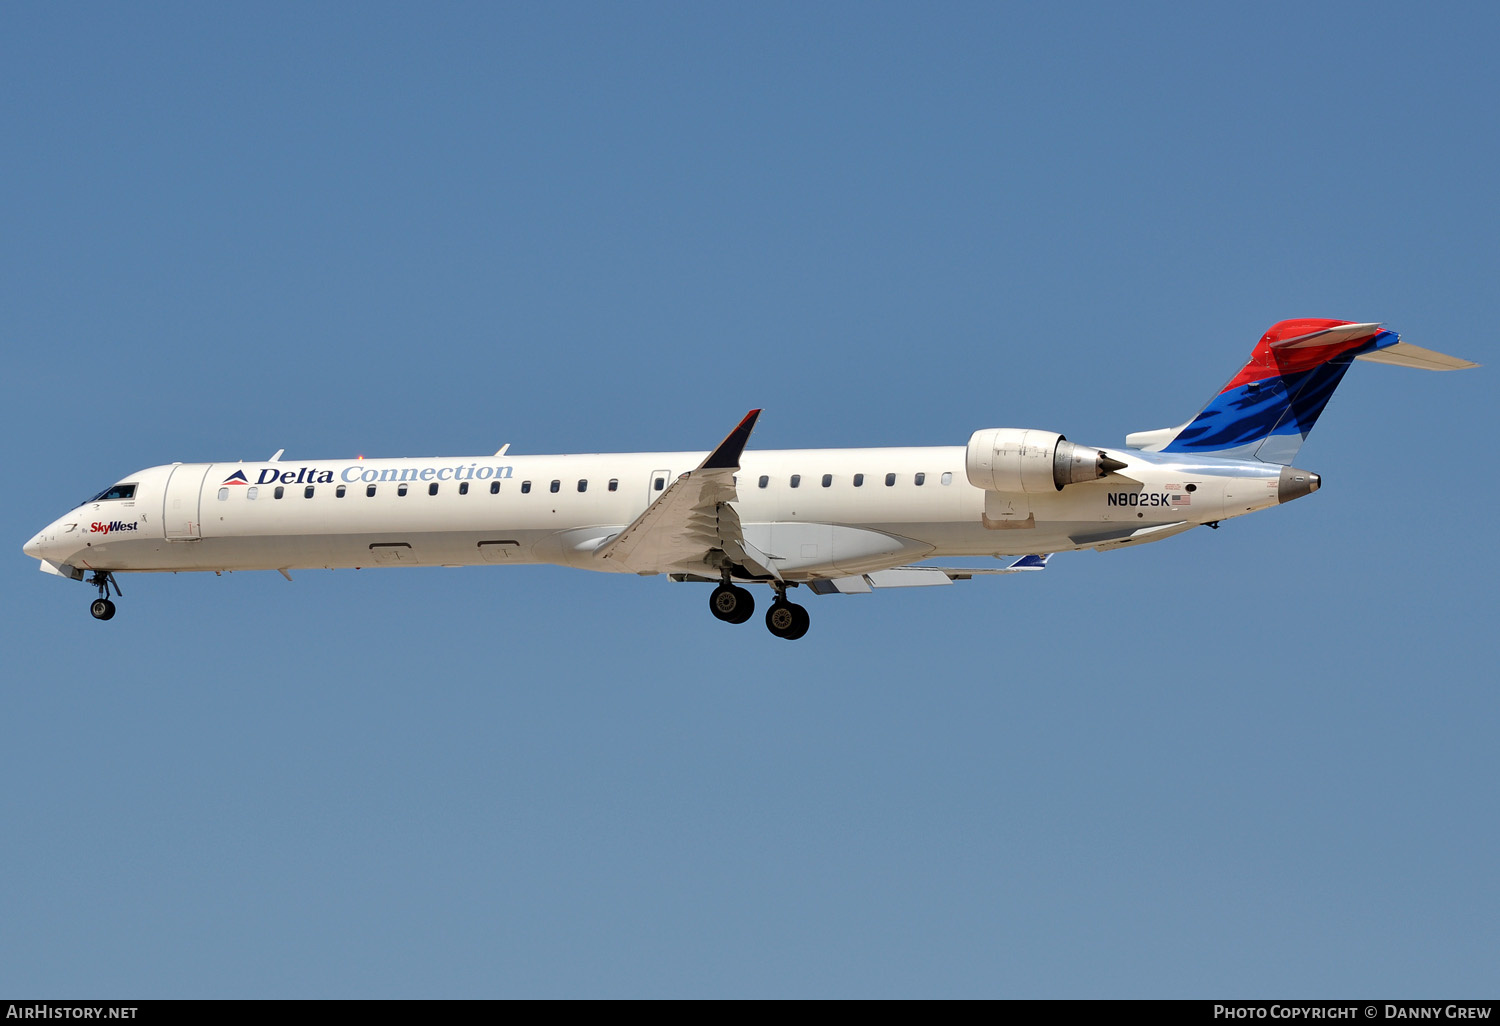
1284 407
1278 406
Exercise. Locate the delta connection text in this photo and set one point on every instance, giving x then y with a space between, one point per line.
1453 1011
357 473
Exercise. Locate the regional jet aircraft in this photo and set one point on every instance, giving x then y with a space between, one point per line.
837 521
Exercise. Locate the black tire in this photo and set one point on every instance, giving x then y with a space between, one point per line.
726 602
746 608
782 620
804 621
102 609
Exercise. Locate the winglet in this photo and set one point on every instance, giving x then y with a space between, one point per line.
727 455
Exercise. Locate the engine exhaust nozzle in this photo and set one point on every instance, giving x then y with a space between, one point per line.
1078 464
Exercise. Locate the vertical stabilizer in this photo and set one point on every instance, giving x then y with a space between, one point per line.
1267 409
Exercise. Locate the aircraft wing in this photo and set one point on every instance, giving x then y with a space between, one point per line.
920 576
1129 534
692 518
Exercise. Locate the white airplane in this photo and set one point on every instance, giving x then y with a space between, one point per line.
840 521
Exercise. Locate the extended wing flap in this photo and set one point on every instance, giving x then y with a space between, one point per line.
920 576
1128 534
680 527
692 518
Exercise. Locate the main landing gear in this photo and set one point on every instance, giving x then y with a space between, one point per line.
734 604
102 608
731 604
787 619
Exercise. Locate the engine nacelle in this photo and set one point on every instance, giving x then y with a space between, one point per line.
1027 460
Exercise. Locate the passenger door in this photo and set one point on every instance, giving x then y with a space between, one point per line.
179 513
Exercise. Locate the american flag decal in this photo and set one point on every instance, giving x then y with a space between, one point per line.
1182 499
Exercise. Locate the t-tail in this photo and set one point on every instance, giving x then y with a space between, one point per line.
1267 409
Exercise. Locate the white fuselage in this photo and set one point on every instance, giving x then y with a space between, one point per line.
849 511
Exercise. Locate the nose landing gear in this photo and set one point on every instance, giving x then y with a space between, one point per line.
102 608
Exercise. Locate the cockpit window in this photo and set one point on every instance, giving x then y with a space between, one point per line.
119 491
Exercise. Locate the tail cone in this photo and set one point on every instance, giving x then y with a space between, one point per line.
1296 483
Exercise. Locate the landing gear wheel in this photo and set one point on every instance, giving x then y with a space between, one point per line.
102 608
787 620
731 604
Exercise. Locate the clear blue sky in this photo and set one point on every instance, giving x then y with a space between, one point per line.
1253 762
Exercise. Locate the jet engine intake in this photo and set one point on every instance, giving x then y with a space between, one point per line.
1028 460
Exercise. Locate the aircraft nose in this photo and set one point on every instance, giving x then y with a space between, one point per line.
33 548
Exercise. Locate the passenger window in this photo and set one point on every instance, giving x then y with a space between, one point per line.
307 493
660 483
463 488
401 489
827 480
555 486
921 478
370 492
947 478
432 488
614 484
223 494
525 487
796 480
583 484
251 492
859 480
764 480
890 479
494 487
339 492
279 492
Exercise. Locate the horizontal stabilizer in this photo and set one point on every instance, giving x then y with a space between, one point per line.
1328 336
1404 354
